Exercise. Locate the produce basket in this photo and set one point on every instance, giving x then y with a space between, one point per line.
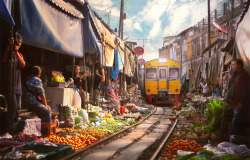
27 142
14 145
50 151
56 84
5 148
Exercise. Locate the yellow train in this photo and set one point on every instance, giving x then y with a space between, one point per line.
162 80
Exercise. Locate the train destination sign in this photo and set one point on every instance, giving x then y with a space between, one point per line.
139 51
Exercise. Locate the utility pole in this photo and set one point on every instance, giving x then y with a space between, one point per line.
209 41
121 20
232 14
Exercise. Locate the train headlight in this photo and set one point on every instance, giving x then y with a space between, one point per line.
148 90
162 60
176 90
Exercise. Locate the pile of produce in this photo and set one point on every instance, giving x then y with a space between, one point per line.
78 141
23 136
186 145
97 133
112 126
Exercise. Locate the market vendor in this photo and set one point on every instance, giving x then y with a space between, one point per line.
34 96
240 97
19 61
98 79
112 96
205 88
79 82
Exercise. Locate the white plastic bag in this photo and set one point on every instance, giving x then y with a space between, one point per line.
77 100
85 116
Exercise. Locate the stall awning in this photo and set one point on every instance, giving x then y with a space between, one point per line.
107 35
44 25
5 11
92 43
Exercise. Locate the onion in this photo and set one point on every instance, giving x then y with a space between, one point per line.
194 136
198 132
213 137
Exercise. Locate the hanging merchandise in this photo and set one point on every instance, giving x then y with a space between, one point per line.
115 70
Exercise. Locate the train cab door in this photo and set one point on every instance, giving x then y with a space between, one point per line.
162 79
174 80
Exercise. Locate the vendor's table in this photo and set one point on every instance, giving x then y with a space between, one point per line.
64 96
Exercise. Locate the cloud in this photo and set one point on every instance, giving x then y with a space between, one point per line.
137 26
156 18
105 6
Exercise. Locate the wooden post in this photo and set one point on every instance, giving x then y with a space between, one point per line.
121 20
74 61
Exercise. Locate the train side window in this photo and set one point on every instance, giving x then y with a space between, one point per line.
162 73
173 72
151 73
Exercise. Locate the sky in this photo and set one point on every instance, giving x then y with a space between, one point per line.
153 19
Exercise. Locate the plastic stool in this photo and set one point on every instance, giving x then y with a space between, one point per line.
48 129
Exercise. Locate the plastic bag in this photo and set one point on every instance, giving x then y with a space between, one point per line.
76 100
230 148
226 148
85 116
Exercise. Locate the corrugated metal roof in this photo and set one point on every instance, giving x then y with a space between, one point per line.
68 8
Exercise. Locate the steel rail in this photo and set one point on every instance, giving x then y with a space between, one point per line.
108 138
157 152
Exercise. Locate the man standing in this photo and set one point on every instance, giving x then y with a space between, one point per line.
240 97
98 79
20 64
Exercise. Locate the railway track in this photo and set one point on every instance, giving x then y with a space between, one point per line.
143 140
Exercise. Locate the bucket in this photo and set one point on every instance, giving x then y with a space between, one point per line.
122 110
177 97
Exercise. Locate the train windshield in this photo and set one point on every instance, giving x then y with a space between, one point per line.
174 73
151 73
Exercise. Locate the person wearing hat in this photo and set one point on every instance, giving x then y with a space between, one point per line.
98 79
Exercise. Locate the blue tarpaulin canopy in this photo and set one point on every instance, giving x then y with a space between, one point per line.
52 25
92 43
5 11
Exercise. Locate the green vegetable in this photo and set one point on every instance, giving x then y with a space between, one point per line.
206 152
185 157
214 113
198 158
92 120
231 157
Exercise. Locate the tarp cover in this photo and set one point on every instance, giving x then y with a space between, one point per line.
242 40
5 11
48 27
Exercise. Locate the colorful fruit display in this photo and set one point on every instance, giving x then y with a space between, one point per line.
185 145
96 133
78 141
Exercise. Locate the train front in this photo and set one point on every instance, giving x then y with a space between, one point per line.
162 80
